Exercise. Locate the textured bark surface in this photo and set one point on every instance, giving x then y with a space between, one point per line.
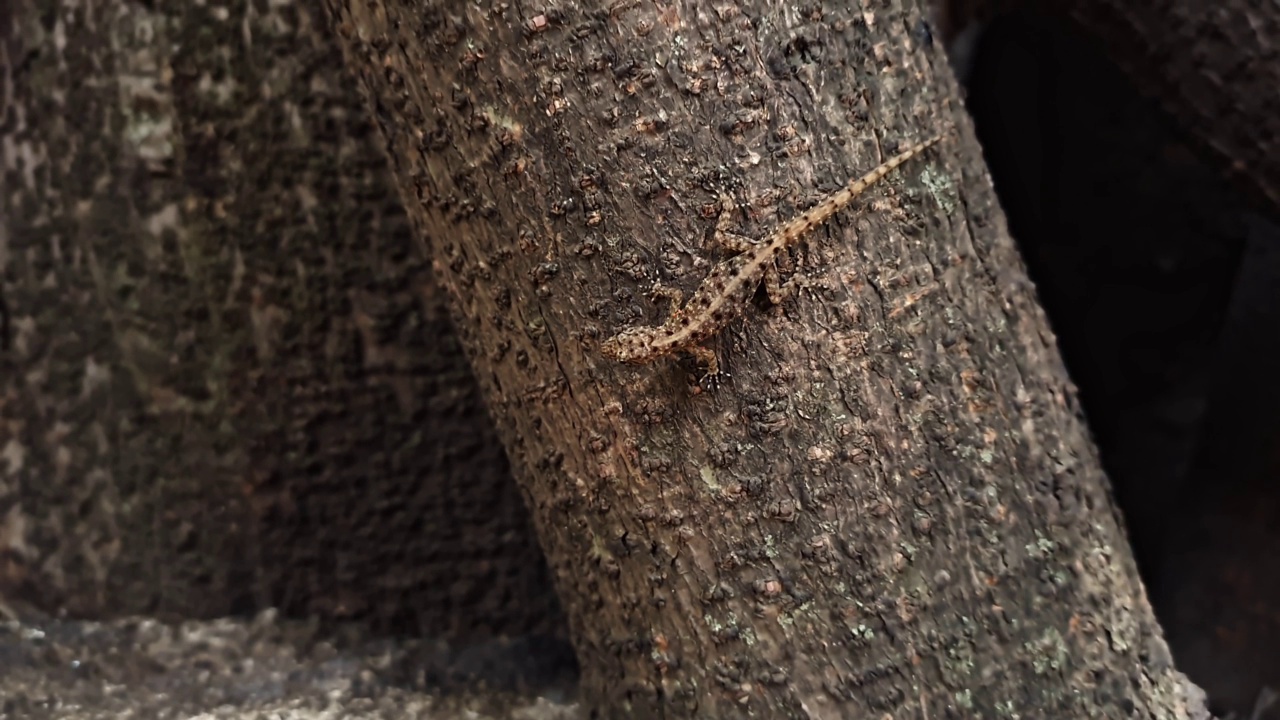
889 506
228 380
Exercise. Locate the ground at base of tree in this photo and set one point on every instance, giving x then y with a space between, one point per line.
269 668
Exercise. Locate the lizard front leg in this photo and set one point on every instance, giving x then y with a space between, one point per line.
707 359
779 291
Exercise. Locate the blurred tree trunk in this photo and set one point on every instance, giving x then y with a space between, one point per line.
1185 416
890 505
227 378
1214 66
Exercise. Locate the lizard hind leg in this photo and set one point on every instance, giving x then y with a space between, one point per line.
738 244
779 291
773 285
733 242
726 239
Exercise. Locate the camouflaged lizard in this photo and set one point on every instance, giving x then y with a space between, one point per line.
732 283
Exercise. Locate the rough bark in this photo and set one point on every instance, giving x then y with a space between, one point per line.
228 380
890 506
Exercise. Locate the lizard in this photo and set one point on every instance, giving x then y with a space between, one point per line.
732 282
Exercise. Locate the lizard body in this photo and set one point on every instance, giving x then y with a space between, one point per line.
732 282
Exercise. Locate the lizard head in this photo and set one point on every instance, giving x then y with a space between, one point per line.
629 346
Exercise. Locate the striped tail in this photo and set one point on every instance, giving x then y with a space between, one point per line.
823 211
858 186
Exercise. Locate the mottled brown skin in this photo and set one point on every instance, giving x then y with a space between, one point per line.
731 283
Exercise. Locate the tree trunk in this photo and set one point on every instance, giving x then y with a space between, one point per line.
889 506
228 380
